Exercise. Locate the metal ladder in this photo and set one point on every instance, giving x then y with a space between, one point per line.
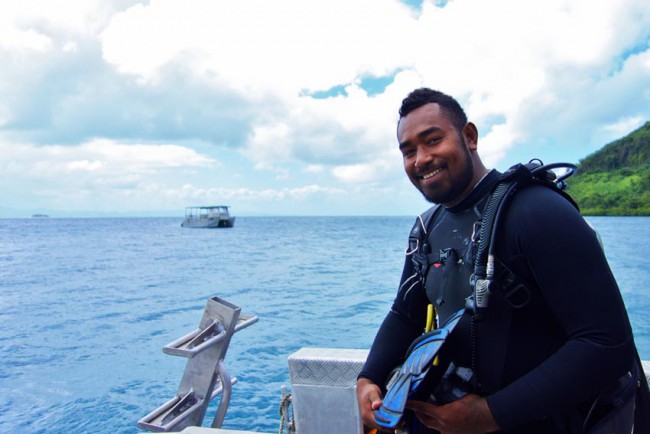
205 375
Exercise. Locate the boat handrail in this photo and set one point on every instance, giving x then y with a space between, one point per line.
205 375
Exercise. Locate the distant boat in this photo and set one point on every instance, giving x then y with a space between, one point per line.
216 216
39 216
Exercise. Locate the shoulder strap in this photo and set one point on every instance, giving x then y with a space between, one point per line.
420 229
418 247
515 178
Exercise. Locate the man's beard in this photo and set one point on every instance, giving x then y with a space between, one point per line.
458 184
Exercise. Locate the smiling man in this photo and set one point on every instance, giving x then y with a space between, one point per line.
526 365
439 152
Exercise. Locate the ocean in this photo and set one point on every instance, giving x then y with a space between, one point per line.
86 306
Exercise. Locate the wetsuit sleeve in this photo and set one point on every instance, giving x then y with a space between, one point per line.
546 238
403 323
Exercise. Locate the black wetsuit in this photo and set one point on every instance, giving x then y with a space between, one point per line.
541 364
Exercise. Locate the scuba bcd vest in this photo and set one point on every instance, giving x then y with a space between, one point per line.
485 275
517 177
488 276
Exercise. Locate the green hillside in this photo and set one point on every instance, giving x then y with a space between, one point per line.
616 179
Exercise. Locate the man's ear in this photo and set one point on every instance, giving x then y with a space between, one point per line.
470 134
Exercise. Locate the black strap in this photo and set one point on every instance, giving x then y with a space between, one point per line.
514 179
418 247
642 410
449 258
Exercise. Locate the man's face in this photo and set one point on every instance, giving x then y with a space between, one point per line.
436 155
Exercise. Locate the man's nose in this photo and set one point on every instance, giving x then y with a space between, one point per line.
422 157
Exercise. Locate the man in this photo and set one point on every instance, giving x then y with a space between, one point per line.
537 367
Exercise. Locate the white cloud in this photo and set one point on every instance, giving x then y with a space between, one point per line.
84 165
106 171
314 168
23 39
552 77
100 162
33 24
242 195
255 45
624 126
366 172
494 145
310 190
100 175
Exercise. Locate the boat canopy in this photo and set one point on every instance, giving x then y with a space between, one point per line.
206 211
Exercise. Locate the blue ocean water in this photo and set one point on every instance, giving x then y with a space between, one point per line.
86 306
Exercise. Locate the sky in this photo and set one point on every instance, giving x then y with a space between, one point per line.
289 107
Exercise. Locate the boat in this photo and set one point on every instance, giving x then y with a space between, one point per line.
39 216
217 216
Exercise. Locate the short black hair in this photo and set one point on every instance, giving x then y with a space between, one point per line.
424 95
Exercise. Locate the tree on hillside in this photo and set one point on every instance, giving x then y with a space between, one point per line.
616 179
632 150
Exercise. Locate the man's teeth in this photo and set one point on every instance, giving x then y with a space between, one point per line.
430 174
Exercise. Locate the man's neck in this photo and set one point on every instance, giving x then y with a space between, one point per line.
482 186
469 192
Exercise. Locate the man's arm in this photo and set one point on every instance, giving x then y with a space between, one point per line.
549 237
404 322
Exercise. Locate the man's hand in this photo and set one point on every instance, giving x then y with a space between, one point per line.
468 415
369 397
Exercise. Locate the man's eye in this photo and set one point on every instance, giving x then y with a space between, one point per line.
407 153
434 140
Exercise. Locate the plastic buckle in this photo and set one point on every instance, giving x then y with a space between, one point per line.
518 297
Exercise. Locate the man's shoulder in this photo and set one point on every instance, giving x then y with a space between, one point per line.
538 211
422 223
540 198
429 212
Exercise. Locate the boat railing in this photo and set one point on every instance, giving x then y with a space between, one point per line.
205 375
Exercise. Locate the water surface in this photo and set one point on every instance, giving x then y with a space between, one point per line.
86 306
